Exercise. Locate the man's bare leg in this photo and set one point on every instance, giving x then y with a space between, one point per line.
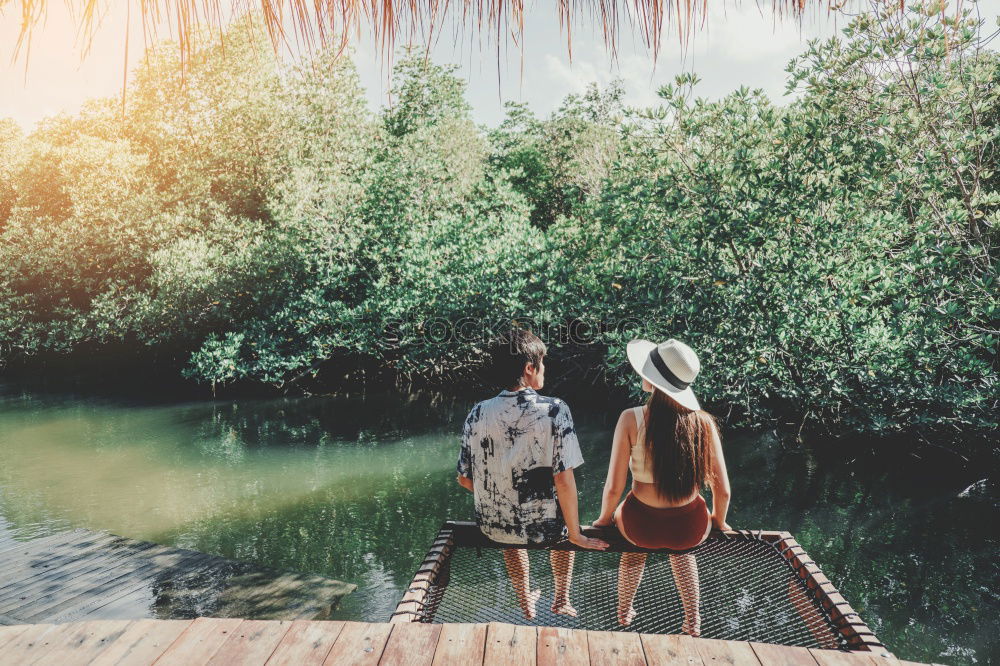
685 568
630 570
562 578
518 566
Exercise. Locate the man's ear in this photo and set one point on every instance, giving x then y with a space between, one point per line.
529 368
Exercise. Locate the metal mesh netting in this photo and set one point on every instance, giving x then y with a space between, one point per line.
727 588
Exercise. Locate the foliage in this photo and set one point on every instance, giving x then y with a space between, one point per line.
833 259
559 162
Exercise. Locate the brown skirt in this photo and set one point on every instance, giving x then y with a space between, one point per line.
674 528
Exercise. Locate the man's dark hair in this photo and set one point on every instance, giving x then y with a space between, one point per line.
510 351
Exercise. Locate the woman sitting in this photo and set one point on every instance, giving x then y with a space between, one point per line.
673 449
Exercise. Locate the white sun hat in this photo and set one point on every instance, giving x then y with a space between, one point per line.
670 366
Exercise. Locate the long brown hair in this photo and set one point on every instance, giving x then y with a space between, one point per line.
678 446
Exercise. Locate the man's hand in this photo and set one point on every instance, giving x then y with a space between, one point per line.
586 542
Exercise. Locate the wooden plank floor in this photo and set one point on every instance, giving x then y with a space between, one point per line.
250 642
82 575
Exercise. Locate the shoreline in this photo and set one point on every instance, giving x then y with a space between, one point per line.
132 384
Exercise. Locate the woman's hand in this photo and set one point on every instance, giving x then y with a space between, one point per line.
602 522
720 524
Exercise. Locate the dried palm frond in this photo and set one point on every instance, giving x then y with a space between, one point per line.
308 23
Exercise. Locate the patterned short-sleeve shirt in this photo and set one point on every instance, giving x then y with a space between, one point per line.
512 446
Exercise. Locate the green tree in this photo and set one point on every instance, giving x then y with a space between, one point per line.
558 162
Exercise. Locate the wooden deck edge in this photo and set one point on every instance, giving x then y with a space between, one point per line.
466 533
859 637
261 642
414 605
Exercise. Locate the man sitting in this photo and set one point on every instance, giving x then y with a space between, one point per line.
518 452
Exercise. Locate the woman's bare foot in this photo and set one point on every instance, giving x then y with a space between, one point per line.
626 615
692 628
563 607
528 603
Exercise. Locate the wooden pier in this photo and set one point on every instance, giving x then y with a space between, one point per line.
83 575
81 597
253 642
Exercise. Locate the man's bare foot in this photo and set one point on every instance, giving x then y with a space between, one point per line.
528 603
626 615
692 628
563 607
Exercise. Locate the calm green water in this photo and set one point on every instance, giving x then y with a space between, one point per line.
355 488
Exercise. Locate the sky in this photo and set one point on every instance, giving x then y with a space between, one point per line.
739 44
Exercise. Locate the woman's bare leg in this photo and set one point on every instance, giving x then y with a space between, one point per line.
518 566
630 570
685 568
562 577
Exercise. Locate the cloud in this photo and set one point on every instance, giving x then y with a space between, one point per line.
747 33
574 76
736 46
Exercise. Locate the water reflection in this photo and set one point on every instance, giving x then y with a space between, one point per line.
355 489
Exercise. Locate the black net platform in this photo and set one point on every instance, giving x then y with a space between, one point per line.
735 586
